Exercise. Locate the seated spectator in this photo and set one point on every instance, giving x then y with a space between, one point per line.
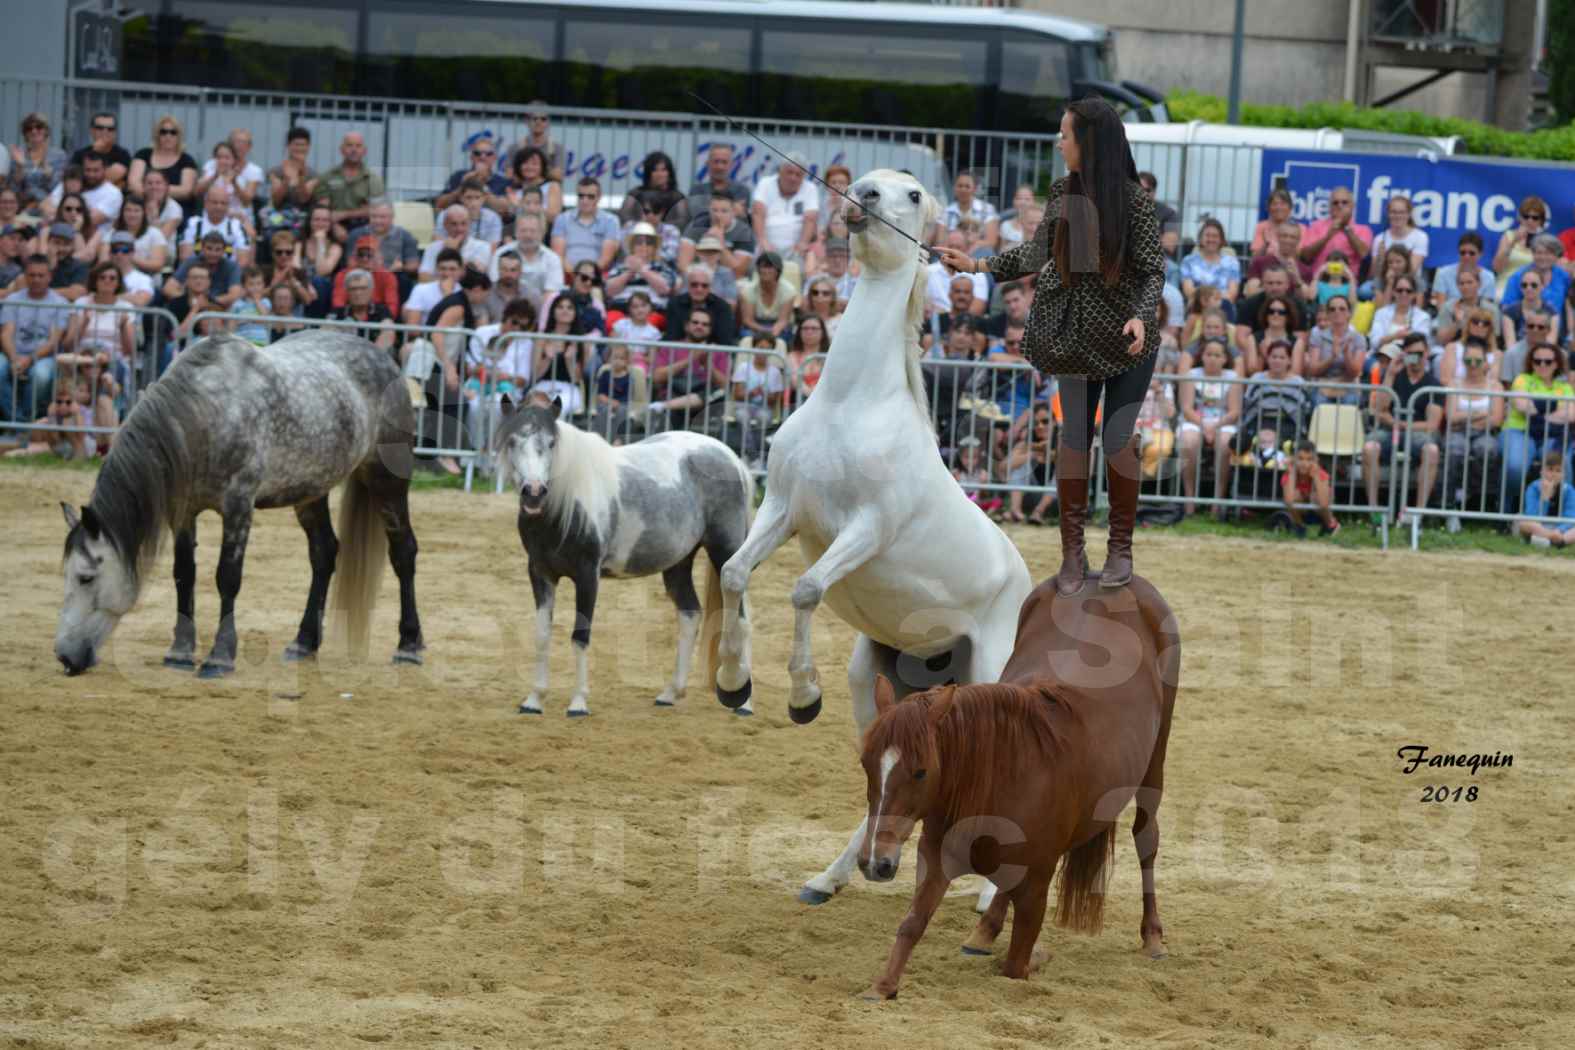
361 304
367 259
1538 328
785 210
635 328
558 366
1549 507
757 396
698 293
966 205
1275 282
1546 251
683 380
1168 217
1265 235
1334 352
1514 315
718 176
11 257
805 358
286 305
1335 277
940 280
541 270
586 290
1283 254
960 312
1515 246
223 275
1535 424
1273 414
86 242
1278 320
529 168
163 211
68 275
650 212
506 287
838 177
493 184
473 252
1446 278
1210 412
587 232
33 322
1471 420
349 189
972 471
973 230
292 184
711 253
1209 265
215 218
1207 321
838 256
103 198
820 300
539 135
1468 304
640 270
498 363
106 337
424 296
396 246
1402 232
104 132
36 166
253 301
136 286
485 224
193 300
1401 318
614 393
1028 463
1014 230
765 304
1307 482
150 251
721 223
1339 232
658 194
169 158
223 172
1389 268
289 271
1392 408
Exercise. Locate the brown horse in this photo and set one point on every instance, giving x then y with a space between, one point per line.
1008 779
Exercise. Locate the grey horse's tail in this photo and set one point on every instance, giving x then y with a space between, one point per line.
363 550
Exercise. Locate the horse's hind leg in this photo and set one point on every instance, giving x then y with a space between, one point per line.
323 549
680 585
232 556
183 649
393 500
1145 834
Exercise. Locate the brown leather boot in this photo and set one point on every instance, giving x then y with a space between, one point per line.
1071 486
1124 478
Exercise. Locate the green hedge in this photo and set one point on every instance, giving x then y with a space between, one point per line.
1561 57
1483 140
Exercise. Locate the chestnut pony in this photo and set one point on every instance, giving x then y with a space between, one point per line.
1011 779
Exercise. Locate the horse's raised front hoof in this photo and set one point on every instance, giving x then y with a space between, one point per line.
414 657
209 669
180 663
295 653
735 698
811 896
805 715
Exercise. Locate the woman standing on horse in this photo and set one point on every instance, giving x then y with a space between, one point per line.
1093 322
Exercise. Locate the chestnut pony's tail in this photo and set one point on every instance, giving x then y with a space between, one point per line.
1084 874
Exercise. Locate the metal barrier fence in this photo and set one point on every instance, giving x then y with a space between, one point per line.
1479 472
114 362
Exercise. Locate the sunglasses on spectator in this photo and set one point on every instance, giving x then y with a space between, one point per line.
1469 251
103 127
821 291
1278 311
483 153
1533 326
699 284
35 127
1481 320
121 249
1403 288
1472 362
1544 360
586 196
71 207
169 131
1533 216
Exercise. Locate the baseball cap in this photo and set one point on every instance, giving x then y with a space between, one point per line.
122 237
836 244
709 244
63 229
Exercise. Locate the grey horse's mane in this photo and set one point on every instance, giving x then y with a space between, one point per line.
143 487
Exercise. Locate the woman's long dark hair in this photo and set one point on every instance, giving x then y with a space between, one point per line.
576 327
1107 172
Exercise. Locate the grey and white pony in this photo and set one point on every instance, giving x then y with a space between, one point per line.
232 427
589 510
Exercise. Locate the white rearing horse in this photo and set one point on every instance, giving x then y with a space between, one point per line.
894 546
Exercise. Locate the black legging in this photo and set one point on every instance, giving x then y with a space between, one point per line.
1123 394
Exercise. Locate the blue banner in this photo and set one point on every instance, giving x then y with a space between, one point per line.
1448 197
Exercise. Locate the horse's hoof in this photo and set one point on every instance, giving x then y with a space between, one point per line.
969 949
813 897
579 714
735 698
663 703
296 653
413 657
805 715
213 670
529 710
180 663
743 712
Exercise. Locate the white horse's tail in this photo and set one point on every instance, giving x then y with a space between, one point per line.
363 550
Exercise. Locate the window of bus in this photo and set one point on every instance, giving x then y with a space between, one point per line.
869 75
652 64
1036 83
414 52
261 47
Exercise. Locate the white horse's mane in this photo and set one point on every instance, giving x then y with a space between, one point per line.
584 471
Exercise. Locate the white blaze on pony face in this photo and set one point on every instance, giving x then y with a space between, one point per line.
896 796
99 590
900 200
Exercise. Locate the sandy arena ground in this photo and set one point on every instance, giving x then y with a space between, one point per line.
188 864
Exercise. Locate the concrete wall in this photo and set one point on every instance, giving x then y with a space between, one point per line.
42 25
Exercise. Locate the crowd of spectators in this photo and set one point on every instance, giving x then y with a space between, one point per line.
1304 309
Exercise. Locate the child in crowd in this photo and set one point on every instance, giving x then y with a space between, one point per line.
971 472
635 328
1307 482
255 301
757 393
1549 506
75 404
614 387
1154 426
